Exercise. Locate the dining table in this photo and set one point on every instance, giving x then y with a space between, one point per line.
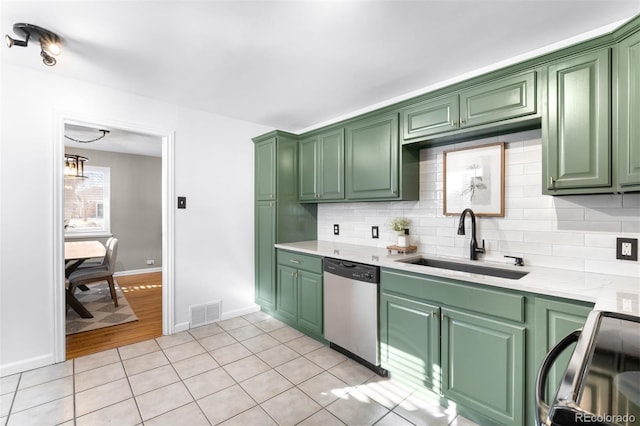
75 254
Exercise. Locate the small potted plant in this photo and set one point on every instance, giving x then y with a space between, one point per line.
399 224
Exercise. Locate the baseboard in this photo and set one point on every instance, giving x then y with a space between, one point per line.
183 326
138 271
239 312
26 365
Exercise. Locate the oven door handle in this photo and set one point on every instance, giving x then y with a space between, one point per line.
545 367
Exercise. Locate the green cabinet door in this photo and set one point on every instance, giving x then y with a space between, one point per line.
265 238
576 143
287 293
499 100
308 169
554 320
372 158
483 365
410 339
322 167
310 302
265 170
628 112
331 165
430 117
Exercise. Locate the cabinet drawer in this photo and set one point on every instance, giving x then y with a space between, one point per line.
300 261
469 296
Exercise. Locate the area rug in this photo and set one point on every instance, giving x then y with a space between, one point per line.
98 301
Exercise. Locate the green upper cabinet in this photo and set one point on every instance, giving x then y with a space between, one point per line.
376 168
576 148
628 113
322 166
265 169
499 100
503 99
430 117
372 158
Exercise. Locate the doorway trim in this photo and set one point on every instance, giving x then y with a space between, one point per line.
57 239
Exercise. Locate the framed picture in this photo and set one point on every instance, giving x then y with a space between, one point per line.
474 178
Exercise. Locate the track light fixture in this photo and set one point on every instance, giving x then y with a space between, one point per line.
104 133
49 42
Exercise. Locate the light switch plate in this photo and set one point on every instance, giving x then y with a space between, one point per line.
182 202
374 232
627 248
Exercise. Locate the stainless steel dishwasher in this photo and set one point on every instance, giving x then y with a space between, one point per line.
351 310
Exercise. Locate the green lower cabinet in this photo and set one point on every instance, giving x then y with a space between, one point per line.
410 339
287 293
310 302
554 320
265 238
299 292
483 365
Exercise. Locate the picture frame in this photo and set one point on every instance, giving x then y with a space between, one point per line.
474 178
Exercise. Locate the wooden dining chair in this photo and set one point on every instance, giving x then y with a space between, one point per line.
102 272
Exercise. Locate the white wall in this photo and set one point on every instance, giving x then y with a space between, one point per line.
575 232
213 236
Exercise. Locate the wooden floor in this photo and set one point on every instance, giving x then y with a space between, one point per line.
144 293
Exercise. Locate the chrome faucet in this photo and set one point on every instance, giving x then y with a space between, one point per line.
473 245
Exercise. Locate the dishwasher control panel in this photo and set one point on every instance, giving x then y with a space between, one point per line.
352 270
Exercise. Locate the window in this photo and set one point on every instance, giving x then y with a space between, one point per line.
86 203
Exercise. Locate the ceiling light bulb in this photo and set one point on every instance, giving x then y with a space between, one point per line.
50 45
47 59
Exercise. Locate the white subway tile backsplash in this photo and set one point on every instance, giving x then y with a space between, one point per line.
570 232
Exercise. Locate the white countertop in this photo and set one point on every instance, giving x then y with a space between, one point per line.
607 292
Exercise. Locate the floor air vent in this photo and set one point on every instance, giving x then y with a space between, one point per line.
204 314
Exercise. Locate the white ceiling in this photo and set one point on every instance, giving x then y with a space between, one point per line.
117 140
293 65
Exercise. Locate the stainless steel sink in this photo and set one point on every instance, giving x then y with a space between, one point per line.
464 267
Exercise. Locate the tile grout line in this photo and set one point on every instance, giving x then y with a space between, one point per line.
135 401
13 399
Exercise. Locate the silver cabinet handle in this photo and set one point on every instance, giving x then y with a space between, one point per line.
552 181
294 261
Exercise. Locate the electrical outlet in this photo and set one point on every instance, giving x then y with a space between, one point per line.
627 248
374 232
151 261
336 229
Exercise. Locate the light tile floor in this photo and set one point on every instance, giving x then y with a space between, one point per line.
251 370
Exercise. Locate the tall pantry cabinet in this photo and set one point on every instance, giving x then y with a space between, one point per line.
279 217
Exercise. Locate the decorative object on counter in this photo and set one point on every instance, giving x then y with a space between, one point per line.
474 178
399 225
403 250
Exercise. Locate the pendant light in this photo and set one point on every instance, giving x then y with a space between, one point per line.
74 166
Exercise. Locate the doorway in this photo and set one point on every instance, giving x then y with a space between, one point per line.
148 276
